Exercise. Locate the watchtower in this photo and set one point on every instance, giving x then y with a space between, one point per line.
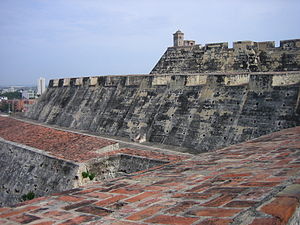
178 38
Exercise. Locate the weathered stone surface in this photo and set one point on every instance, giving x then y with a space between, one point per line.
210 188
25 169
201 111
44 160
217 57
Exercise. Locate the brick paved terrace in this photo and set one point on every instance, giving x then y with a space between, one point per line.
61 144
256 182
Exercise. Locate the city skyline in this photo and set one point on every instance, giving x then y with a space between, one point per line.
63 38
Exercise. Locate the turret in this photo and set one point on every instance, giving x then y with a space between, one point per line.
178 38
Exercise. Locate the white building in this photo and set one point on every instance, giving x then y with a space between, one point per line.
10 89
28 94
41 87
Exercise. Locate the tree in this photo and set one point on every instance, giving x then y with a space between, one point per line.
12 95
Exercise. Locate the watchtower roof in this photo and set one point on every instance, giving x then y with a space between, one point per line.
178 32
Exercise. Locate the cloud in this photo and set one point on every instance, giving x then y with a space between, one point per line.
76 36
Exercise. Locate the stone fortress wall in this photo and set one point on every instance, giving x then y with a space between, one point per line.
174 105
201 98
188 57
197 111
25 169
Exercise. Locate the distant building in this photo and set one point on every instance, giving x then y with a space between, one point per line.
16 105
3 98
41 87
28 94
10 89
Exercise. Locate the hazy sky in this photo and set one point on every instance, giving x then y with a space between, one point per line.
71 38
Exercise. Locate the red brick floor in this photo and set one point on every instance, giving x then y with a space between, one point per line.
256 182
61 144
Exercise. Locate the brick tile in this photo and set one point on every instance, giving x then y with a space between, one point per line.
145 213
28 202
44 223
99 195
232 175
68 198
126 223
114 187
89 190
297 181
79 204
4 209
148 202
24 218
125 191
215 212
240 204
192 195
61 215
110 200
266 221
17 211
78 220
221 200
281 207
260 184
200 187
215 221
141 196
169 181
255 194
181 207
226 190
156 188
172 220
276 179
94 210
39 210
118 205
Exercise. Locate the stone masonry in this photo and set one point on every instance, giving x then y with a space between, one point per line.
200 112
245 56
44 160
256 182
239 107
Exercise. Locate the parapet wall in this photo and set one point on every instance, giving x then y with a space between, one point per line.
152 80
198 111
245 56
25 169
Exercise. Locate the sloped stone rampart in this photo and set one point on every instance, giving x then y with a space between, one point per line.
198 111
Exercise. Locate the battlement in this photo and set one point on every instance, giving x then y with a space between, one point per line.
243 45
290 44
245 56
153 80
216 45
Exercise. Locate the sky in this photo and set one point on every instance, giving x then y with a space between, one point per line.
74 38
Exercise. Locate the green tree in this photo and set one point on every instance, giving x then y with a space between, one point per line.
12 95
4 106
